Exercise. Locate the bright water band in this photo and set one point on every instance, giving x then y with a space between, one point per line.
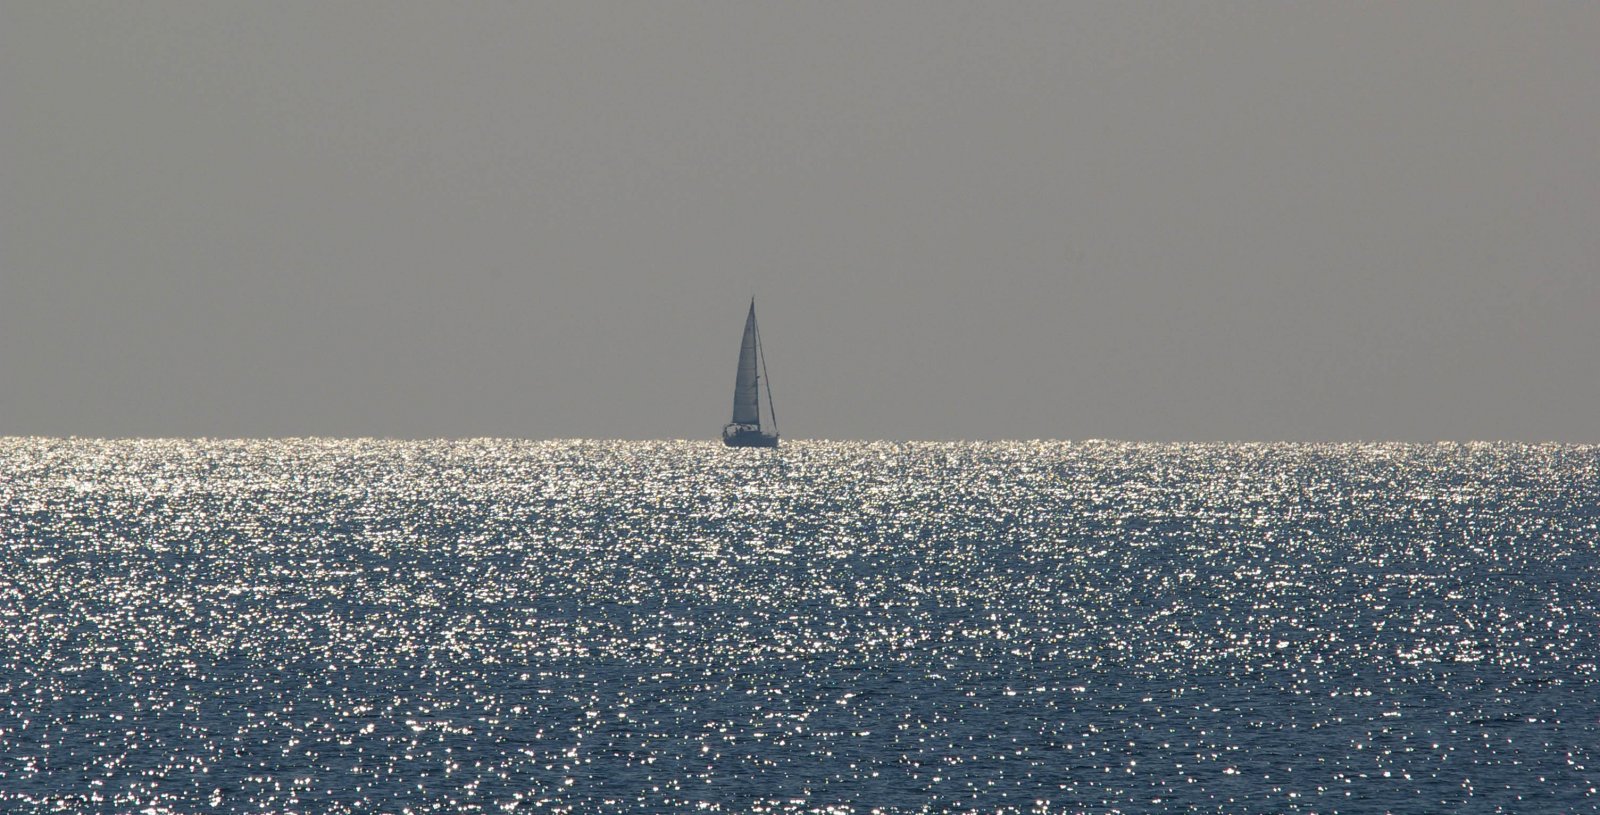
328 626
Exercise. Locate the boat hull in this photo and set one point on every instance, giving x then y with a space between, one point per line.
750 438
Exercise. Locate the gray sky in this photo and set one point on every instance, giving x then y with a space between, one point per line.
960 220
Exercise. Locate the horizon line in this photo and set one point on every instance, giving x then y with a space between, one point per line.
713 440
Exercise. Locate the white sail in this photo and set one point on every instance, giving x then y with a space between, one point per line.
746 390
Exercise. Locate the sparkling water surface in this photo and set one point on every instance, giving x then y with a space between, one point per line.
496 626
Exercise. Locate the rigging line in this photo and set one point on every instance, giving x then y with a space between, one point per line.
761 351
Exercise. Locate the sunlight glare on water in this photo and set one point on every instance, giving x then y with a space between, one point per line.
498 626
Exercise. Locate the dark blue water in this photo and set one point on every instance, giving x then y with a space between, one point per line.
362 626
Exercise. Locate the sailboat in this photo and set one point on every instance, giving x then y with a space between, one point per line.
745 429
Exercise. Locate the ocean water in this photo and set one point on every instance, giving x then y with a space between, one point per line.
496 626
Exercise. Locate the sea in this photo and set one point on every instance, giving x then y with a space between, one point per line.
497 626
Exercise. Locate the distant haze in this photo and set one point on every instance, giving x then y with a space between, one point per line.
960 220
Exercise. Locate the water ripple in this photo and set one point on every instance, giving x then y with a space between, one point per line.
494 626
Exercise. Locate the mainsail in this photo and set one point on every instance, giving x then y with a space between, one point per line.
746 389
